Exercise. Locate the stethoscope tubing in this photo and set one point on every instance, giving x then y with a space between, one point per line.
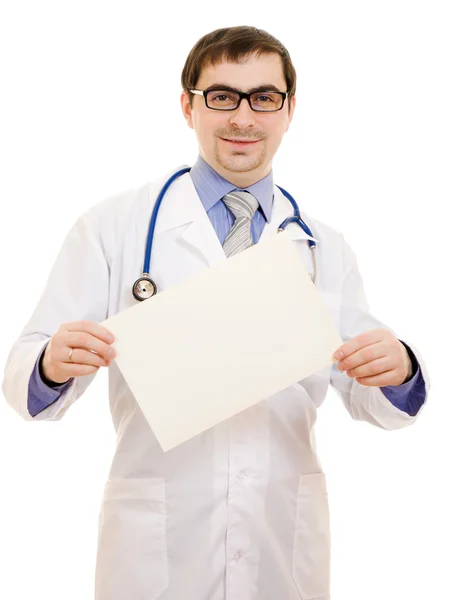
296 218
151 228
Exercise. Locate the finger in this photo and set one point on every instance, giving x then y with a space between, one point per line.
363 356
380 380
75 370
88 342
371 369
360 341
84 357
92 328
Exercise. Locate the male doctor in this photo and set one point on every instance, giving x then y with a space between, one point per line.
240 511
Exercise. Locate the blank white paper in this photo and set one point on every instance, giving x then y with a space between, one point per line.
200 352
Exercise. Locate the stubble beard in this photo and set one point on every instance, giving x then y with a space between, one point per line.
238 162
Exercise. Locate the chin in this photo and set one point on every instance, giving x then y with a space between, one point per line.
240 163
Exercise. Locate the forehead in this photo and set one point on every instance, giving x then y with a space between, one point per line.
251 72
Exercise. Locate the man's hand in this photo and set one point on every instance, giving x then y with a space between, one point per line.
375 358
77 348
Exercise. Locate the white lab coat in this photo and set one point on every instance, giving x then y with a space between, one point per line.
240 511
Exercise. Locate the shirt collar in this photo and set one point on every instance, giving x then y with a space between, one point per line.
212 187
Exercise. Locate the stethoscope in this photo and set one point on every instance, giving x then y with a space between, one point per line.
145 288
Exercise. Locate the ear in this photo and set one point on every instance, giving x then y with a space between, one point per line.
186 108
291 111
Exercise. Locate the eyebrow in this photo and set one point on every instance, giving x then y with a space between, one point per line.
266 87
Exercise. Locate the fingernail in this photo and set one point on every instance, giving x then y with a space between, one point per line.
339 354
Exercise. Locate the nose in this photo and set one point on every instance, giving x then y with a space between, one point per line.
243 116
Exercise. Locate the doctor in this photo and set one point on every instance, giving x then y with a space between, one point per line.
239 512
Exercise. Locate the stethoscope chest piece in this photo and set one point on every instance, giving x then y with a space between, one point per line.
144 288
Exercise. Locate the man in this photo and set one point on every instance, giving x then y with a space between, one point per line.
240 511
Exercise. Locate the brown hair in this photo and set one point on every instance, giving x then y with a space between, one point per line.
234 44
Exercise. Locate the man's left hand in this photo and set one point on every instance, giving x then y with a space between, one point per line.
375 358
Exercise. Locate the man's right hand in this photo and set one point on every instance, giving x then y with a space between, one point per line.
90 344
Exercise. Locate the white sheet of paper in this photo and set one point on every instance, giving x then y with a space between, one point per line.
202 351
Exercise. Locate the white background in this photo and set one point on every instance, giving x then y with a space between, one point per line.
90 107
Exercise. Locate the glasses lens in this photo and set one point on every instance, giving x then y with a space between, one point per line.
266 101
222 99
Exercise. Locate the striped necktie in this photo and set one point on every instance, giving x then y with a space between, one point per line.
243 206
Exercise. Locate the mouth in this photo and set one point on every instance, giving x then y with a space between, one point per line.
240 143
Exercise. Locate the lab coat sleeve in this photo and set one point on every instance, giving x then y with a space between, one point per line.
365 403
77 289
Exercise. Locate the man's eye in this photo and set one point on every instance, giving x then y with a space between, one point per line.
221 98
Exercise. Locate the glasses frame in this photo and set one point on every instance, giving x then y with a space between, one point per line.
242 95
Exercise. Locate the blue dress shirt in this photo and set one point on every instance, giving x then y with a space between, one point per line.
211 188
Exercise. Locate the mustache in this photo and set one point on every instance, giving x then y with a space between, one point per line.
232 134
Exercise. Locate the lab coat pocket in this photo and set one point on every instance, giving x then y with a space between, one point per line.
311 560
132 546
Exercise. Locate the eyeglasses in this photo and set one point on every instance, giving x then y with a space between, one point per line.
264 101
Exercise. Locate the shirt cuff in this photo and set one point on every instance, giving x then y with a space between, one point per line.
409 396
40 394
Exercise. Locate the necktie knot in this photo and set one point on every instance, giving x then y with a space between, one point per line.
241 204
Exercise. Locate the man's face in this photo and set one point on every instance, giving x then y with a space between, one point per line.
240 144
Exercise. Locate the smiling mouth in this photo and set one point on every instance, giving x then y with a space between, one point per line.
243 142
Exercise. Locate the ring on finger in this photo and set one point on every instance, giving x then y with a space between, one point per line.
70 354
